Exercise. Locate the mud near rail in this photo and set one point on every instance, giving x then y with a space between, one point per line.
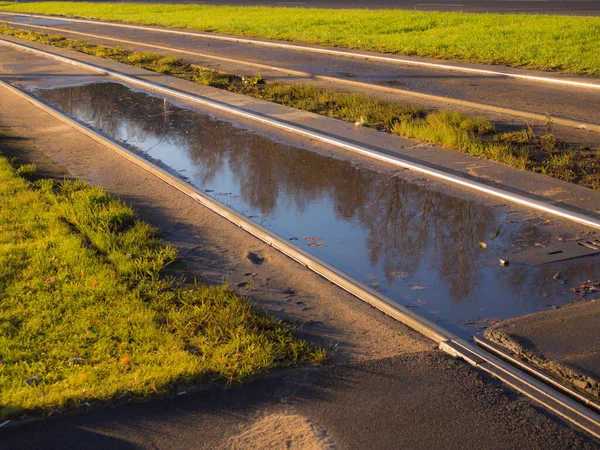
419 247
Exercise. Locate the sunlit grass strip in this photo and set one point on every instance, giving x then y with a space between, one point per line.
548 42
451 129
85 315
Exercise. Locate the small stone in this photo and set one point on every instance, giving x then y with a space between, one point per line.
504 262
582 384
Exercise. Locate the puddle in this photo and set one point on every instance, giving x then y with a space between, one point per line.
419 247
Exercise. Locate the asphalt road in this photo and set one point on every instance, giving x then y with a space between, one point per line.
427 401
569 7
559 101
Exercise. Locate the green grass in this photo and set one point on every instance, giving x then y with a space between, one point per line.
451 129
86 316
554 43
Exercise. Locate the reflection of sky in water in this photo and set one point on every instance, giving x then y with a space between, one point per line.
421 248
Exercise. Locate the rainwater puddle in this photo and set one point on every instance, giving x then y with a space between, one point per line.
419 247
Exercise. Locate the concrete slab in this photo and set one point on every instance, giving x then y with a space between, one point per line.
564 342
588 364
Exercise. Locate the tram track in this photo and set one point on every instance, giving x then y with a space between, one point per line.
328 51
343 83
546 395
286 126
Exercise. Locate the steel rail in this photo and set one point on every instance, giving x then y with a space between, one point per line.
323 50
556 402
337 142
436 98
538 373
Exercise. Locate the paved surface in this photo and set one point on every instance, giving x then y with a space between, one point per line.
568 102
389 389
570 7
564 341
422 402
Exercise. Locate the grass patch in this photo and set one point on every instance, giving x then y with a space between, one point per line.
85 315
555 43
451 129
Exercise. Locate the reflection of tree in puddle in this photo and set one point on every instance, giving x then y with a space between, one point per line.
405 225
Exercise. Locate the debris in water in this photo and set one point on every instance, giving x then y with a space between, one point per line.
504 262
482 244
587 287
417 288
496 233
399 275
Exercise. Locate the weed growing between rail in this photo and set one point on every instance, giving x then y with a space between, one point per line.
451 129
547 42
85 315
